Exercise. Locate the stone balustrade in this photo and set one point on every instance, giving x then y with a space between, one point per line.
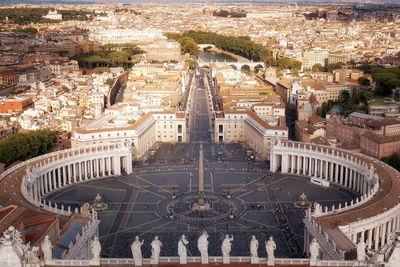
325 210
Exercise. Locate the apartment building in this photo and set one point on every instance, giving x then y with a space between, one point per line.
247 127
151 128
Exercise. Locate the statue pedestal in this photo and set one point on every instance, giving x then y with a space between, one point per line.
254 260
138 262
182 260
153 260
226 260
313 262
204 259
271 262
95 262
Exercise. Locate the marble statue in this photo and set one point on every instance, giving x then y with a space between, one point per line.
270 247
182 251
314 251
10 249
96 249
254 250
155 250
226 249
137 251
361 251
202 244
47 249
317 208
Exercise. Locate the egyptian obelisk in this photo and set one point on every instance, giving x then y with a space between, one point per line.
201 177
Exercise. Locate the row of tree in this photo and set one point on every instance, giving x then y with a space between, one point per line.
284 63
108 57
24 16
26 30
229 14
330 68
393 160
23 146
241 45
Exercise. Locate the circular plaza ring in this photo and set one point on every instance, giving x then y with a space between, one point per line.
181 208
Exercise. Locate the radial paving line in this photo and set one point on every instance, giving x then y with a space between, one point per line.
142 188
162 189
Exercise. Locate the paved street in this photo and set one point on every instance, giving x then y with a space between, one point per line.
261 203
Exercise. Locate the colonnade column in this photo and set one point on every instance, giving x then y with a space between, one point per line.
376 229
299 161
370 238
59 176
337 173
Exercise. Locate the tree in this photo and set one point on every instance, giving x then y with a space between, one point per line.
284 63
363 81
110 82
393 160
317 68
295 64
23 146
269 61
101 70
333 66
188 45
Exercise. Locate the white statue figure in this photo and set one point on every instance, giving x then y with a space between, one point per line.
155 250
361 251
182 251
314 251
226 249
96 249
47 249
317 208
31 256
11 249
137 251
270 247
254 250
202 244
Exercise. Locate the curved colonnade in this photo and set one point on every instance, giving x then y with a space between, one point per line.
48 173
371 218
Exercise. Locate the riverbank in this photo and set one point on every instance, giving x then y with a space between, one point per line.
237 57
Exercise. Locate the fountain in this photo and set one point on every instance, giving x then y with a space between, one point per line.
98 204
303 203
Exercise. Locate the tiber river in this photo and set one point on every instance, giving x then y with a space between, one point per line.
213 56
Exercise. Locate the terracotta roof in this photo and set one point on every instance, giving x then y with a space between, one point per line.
282 124
380 139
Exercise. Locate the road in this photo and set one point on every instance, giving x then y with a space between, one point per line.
199 111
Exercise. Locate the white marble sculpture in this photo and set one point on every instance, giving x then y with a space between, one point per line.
202 244
270 247
30 255
47 249
137 251
254 250
11 252
96 249
226 249
361 251
314 251
155 250
182 251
